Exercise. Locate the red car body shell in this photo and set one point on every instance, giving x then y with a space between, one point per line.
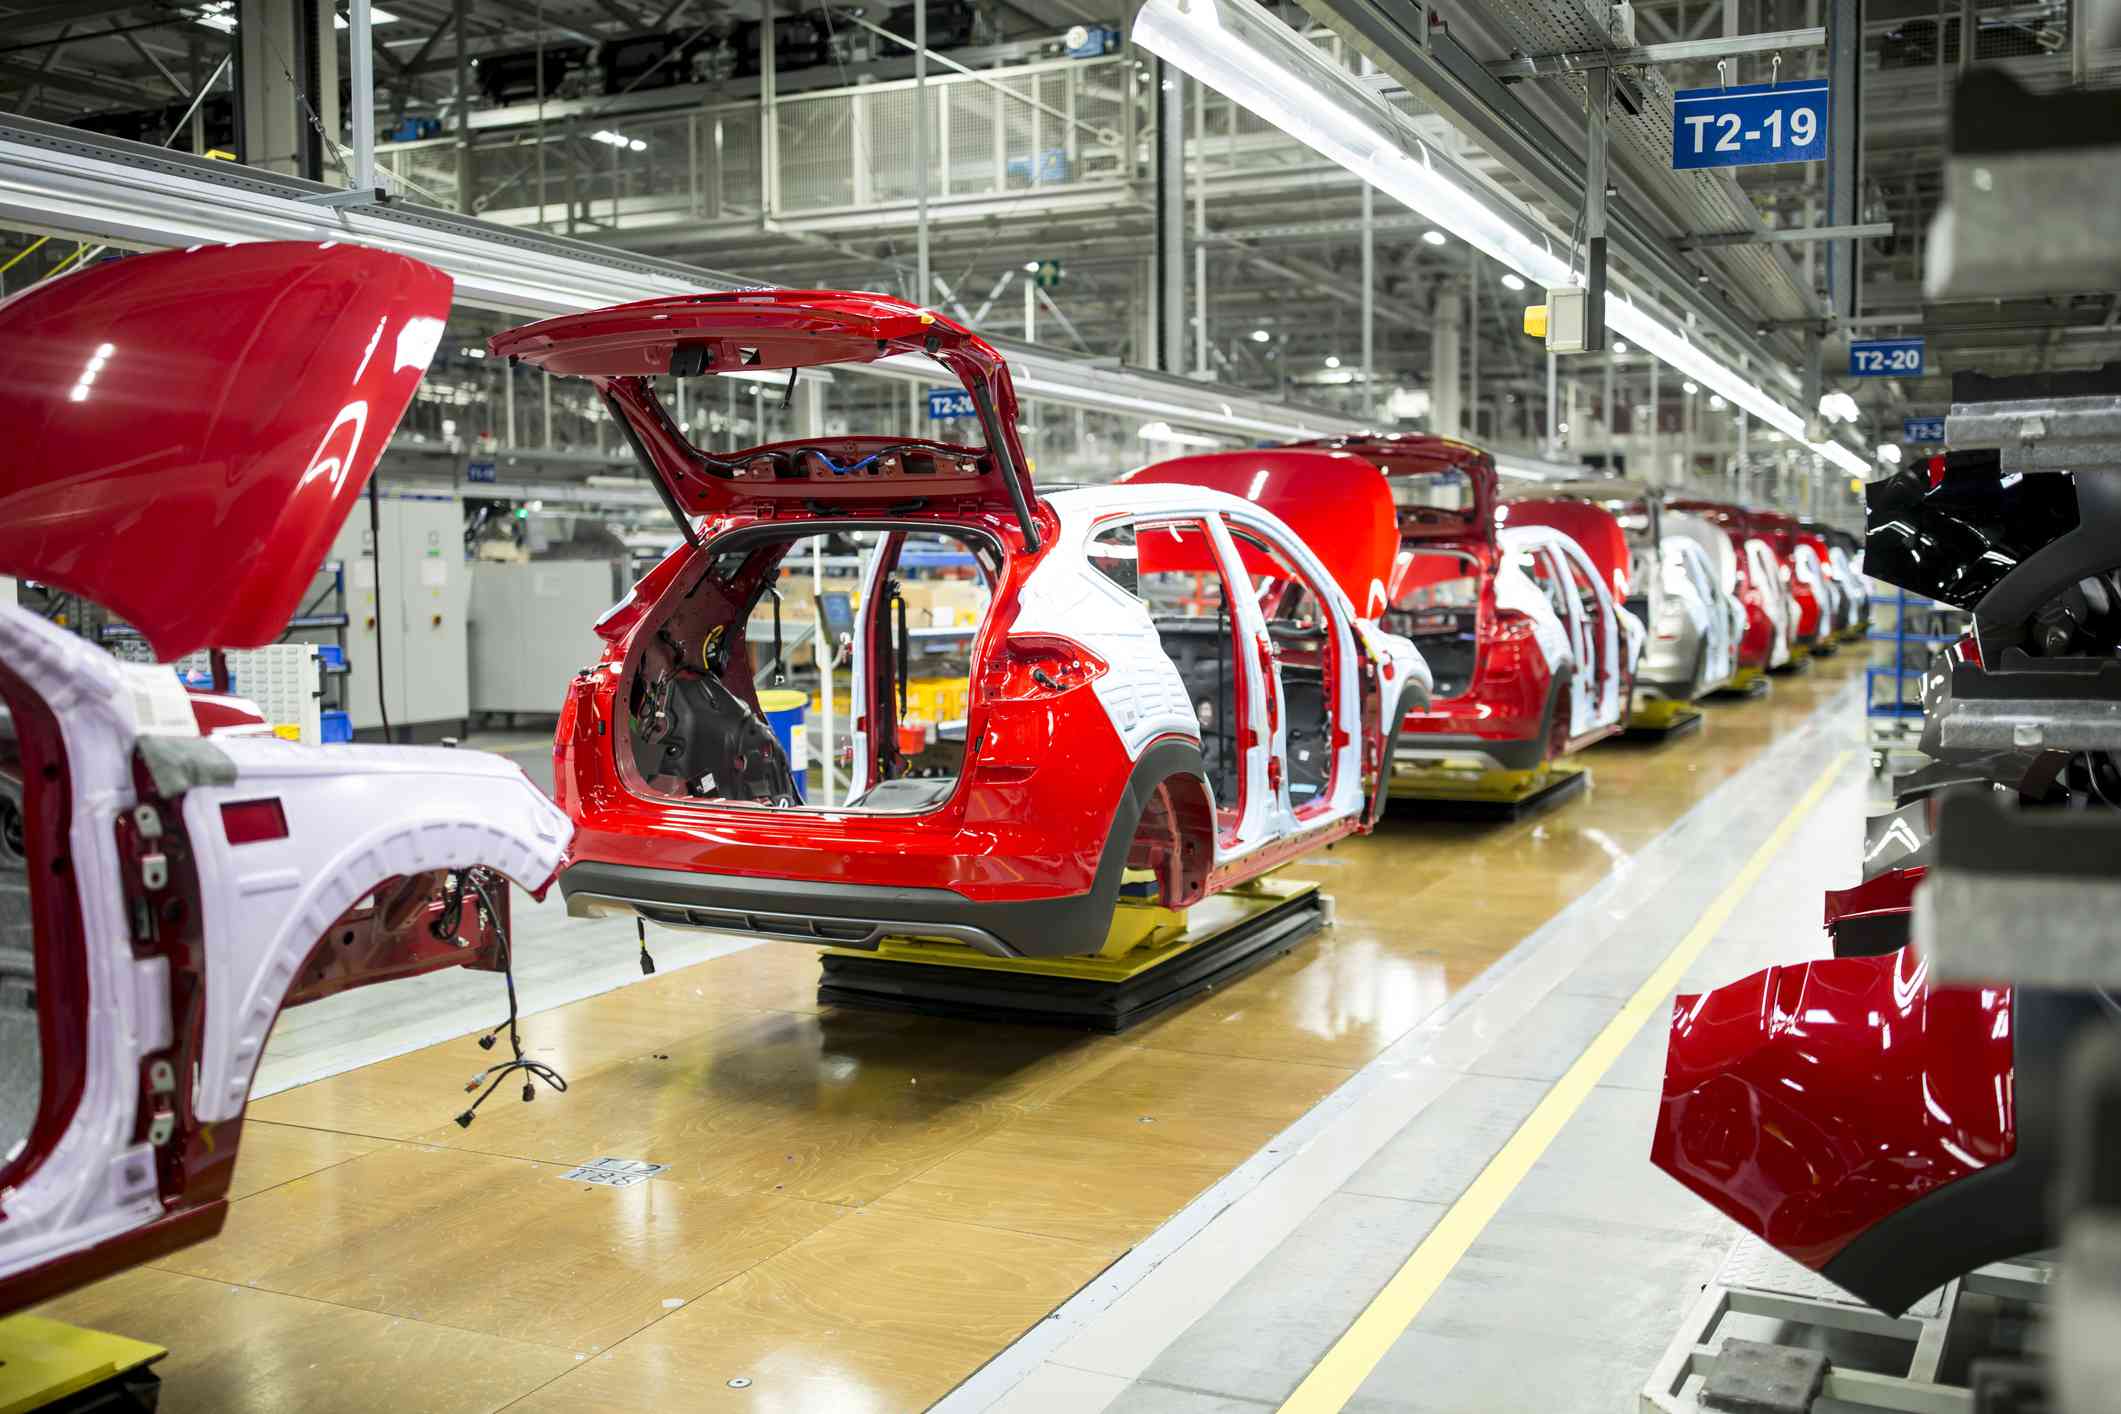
1756 646
1502 708
228 418
1027 822
1810 1102
1029 818
1782 534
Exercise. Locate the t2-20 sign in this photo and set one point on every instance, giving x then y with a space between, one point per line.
1750 125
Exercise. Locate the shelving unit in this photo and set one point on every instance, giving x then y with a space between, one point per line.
1907 632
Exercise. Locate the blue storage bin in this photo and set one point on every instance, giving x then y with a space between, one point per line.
336 726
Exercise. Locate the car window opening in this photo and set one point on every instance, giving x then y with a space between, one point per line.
1438 606
1304 647
826 669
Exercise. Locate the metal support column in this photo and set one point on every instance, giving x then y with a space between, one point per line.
1446 411
361 92
1598 97
1553 407
769 206
1200 233
1170 218
1473 342
287 71
1657 410
463 110
1844 153
922 277
1612 432
1369 302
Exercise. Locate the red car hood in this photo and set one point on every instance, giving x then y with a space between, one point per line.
191 427
1337 504
1810 1102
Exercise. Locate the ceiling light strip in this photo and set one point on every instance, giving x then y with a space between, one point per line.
1244 53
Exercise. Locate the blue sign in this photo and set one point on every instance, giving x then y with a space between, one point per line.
1751 125
950 402
1885 358
480 471
1922 429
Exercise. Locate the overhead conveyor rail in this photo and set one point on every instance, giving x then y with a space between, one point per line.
58 179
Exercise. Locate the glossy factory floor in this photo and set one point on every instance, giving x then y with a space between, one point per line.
864 1212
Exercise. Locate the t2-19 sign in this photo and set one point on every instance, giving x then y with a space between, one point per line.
1750 125
1885 358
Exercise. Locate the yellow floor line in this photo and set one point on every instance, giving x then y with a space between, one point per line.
1334 1380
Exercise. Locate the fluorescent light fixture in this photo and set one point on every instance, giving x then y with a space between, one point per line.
1716 402
1332 360
1030 267
1164 432
612 138
1260 336
1839 407
1620 346
1690 387
219 14
1889 453
375 17
1249 56
1512 282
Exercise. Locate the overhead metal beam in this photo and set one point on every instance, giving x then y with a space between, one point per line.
1460 87
55 77
1844 151
75 10
1795 235
1678 51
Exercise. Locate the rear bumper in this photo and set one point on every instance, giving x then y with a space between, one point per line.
835 915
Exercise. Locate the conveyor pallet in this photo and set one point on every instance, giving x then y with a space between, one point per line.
1827 1344
1661 721
1494 795
1225 937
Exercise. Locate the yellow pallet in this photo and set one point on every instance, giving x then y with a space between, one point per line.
43 1361
1659 713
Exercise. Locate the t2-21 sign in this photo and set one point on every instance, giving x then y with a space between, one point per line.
1751 125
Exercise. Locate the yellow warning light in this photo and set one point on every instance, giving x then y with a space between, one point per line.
1535 320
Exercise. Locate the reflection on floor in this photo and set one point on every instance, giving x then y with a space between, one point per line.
859 1210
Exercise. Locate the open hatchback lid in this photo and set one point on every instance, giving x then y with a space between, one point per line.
1445 489
621 350
187 430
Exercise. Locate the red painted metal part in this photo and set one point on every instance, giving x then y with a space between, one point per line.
1028 820
1336 503
193 426
620 348
1596 531
396 935
1810 1102
1892 892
